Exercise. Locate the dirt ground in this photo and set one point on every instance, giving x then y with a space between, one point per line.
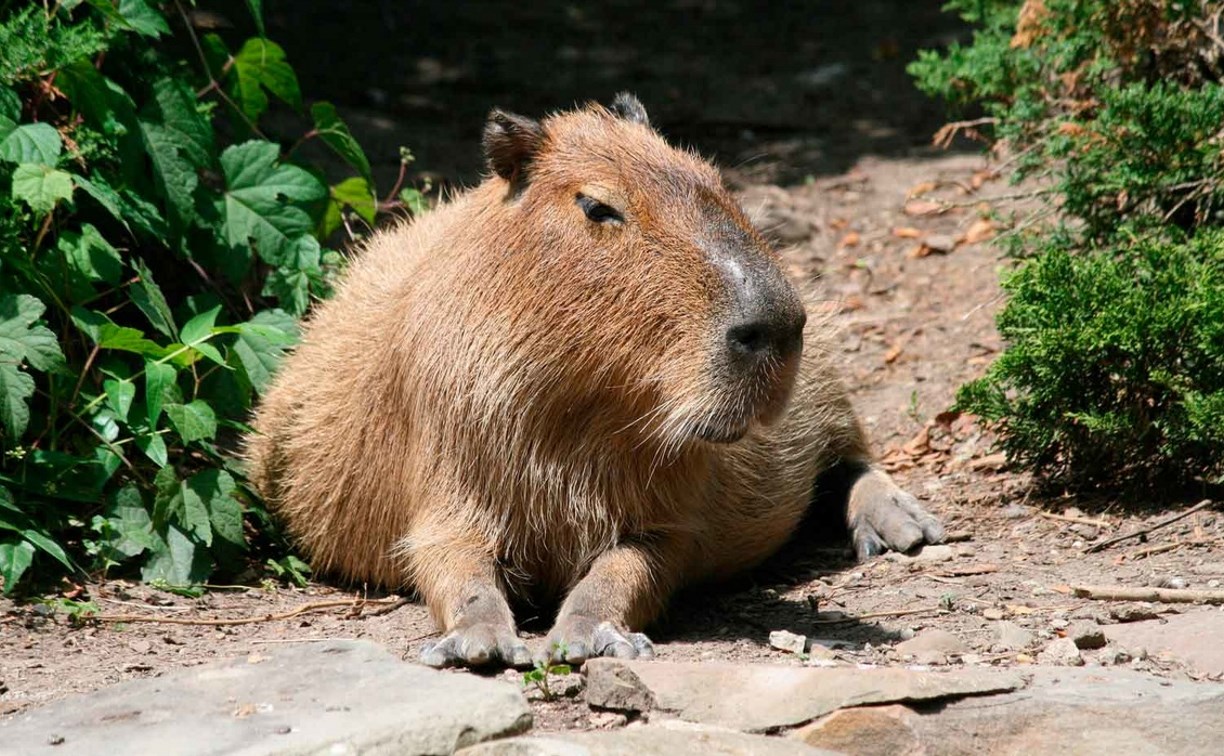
895 236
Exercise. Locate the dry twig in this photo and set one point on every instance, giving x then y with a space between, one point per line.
313 606
1074 519
1144 531
1159 595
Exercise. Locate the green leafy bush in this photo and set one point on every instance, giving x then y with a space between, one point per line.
1113 370
156 248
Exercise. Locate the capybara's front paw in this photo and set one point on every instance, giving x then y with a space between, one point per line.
477 645
576 638
883 516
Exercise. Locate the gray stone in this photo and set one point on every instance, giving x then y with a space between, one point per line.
785 640
1133 612
648 740
925 555
761 697
1196 638
932 647
1063 652
1011 637
336 697
940 242
1086 635
1087 712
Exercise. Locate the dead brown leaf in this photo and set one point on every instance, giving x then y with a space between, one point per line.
852 239
979 231
919 444
893 353
923 207
907 232
922 188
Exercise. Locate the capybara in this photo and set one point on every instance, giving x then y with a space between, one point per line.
585 379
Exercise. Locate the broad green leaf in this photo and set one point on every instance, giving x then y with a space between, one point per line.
174 108
158 377
194 421
138 16
147 295
357 194
176 561
165 487
49 547
16 388
154 447
41 186
175 175
259 348
130 519
16 556
21 338
256 7
260 65
335 134
208 494
10 104
200 327
124 339
105 196
119 396
84 259
36 143
262 203
291 289
106 424
226 515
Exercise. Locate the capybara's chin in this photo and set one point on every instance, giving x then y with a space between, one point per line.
587 378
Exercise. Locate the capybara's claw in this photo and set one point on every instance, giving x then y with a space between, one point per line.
577 638
477 645
886 517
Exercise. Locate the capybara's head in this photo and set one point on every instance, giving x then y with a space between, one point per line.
656 296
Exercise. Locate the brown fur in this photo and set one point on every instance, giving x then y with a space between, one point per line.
498 395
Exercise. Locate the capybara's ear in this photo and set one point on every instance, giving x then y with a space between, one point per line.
630 108
510 142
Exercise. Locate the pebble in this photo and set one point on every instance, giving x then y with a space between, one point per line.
1062 652
1011 637
606 720
932 646
785 640
1175 582
1132 612
1059 624
993 613
1086 635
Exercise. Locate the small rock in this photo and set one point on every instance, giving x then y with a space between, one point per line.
1011 637
1015 511
1086 635
930 646
1133 612
785 640
1087 532
606 720
1213 583
993 613
1112 655
1059 623
1062 652
141 646
820 651
940 242
1174 581
928 554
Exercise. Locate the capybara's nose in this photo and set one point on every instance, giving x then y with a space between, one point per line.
772 331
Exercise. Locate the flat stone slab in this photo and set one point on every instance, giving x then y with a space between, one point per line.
1196 638
336 697
1084 711
759 698
649 740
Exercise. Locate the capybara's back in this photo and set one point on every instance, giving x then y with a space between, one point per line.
586 378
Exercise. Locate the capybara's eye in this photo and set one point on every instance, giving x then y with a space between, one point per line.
597 211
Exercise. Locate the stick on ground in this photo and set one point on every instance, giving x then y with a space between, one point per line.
1144 531
313 606
1159 595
